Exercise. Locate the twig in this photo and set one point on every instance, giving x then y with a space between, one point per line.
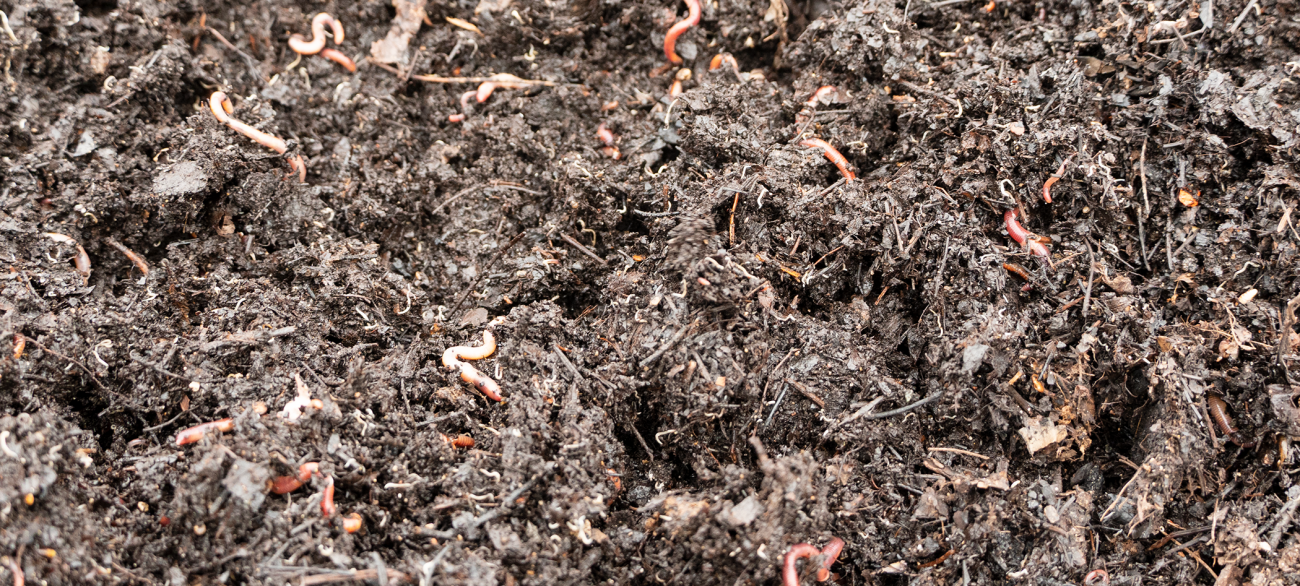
440 79
1087 294
946 3
856 415
248 61
780 397
1288 321
485 271
1283 522
957 451
921 90
458 195
677 337
1240 17
641 440
582 249
368 574
577 376
802 388
653 214
902 410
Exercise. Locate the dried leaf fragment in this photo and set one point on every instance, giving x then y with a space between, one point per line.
1186 198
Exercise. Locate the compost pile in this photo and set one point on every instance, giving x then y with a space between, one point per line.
1037 325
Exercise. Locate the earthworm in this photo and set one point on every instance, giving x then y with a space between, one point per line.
81 261
456 118
675 89
607 136
196 433
222 108
790 574
19 579
1219 413
132 256
286 484
724 59
20 343
338 57
351 522
1098 576
832 154
1024 237
1047 185
463 441
301 45
670 39
821 92
327 508
452 360
1021 272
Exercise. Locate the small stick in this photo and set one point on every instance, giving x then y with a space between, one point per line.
802 388
1288 321
582 249
490 264
921 90
248 61
500 77
1087 294
135 258
677 337
902 410
957 451
732 228
1241 17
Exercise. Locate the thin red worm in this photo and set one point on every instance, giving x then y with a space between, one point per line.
196 433
1219 413
1023 236
327 508
134 258
1098 576
19 579
301 45
821 92
607 136
463 441
1047 185
222 108
833 154
351 522
724 59
452 360
670 39
338 57
790 573
286 484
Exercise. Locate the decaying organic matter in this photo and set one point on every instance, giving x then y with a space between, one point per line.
715 347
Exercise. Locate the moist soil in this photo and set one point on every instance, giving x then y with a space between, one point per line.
710 345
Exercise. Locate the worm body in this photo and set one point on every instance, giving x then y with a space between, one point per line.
463 441
134 258
1024 237
196 433
722 59
1097 577
221 108
20 342
338 57
790 573
670 39
351 522
327 508
833 154
1219 413
821 92
452 360
301 45
1047 185
286 484
605 134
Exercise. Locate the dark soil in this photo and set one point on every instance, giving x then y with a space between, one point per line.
711 348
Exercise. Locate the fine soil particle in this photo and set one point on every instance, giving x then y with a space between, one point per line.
711 345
